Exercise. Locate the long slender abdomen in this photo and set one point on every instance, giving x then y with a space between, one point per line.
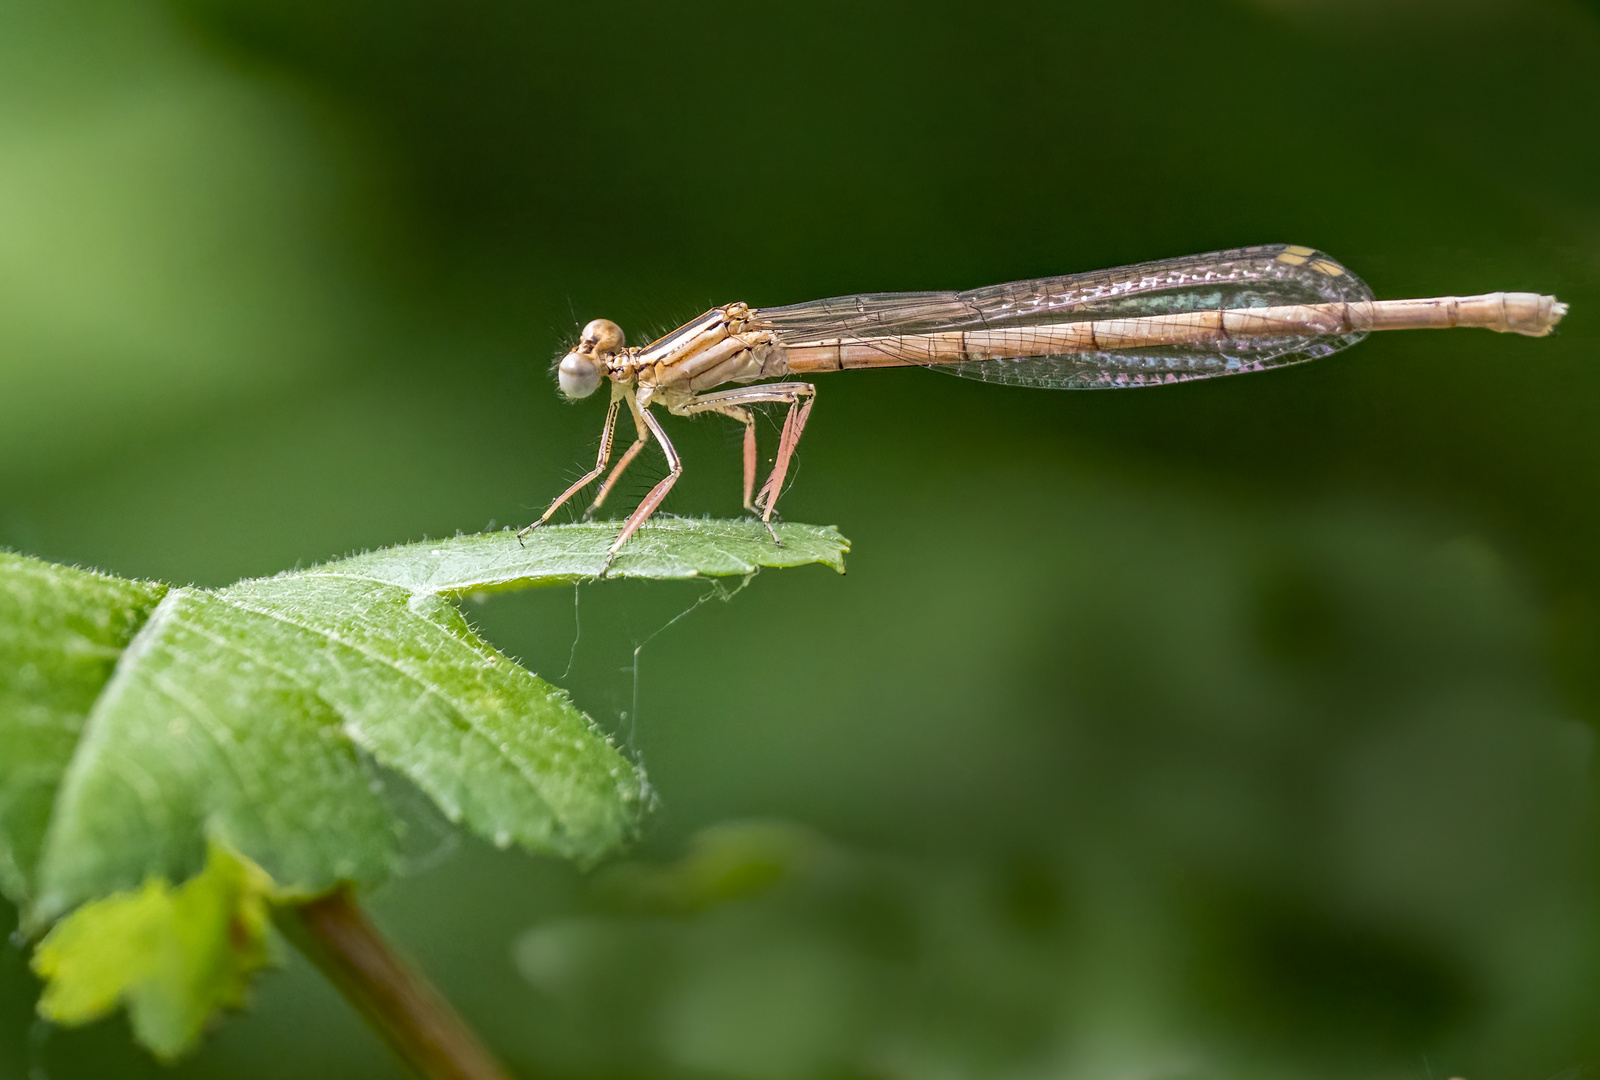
1520 313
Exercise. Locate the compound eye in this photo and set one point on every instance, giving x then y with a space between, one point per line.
578 376
601 336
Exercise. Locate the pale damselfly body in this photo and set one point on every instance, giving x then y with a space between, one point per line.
1222 313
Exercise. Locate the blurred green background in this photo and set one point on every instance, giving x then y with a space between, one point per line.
1237 729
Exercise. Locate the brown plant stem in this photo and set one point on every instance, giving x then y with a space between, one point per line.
392 996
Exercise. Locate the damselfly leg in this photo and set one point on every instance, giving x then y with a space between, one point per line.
799 397
627 459
599 466
642 513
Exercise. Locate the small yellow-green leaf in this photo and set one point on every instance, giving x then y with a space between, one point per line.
174 956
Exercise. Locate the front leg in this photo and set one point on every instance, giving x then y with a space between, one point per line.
627 459
599 465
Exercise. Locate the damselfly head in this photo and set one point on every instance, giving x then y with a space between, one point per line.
579 372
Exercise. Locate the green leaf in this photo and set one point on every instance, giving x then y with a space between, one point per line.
243 741
269 716
61 632
173 956
664 548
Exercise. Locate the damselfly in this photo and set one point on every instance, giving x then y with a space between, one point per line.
1150 324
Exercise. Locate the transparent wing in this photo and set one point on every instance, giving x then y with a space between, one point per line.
1269 276
1149 366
